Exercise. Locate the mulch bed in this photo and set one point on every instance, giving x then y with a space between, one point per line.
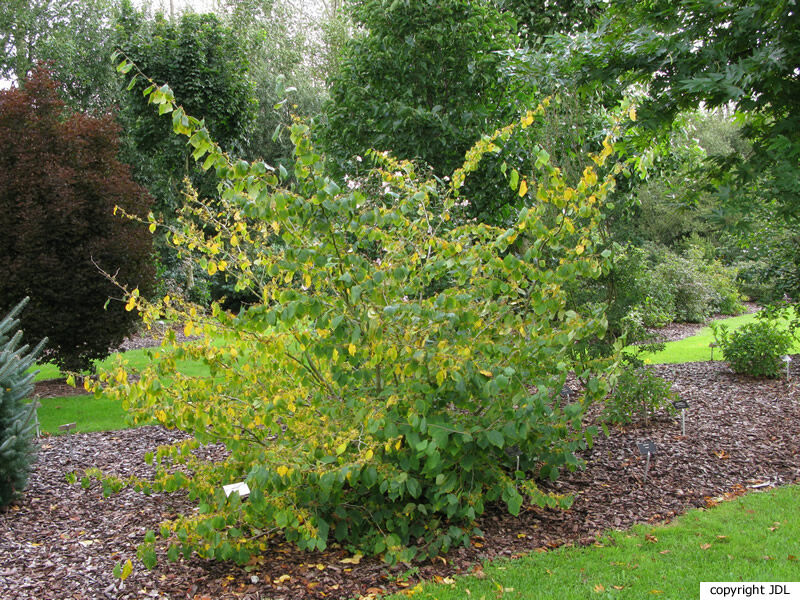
62 541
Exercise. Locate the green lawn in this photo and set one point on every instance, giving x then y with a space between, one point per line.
88 412
696 348
137 359
752 538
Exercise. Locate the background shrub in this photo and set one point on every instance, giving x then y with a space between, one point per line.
637 396
60 181
755 349
17 419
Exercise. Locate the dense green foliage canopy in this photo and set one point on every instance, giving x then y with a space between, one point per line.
422 79
686 53
205 64
74 37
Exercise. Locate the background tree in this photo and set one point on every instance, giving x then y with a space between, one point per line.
741 55
422 79
285 48
75 38
60 180
17 419
537 19
206 66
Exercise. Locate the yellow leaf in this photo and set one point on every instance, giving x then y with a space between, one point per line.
351 349
523 188
486 373
353 560
335 356
283 578
459 248
275 227
131 304
599 588
399 444
152 228
282 470
161 416
579 249
212 267
340 449
307 280
234 241
656 592
440 377
127 569
632 112
188 329
527 120
369 454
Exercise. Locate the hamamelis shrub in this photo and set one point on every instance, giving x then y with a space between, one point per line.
398 374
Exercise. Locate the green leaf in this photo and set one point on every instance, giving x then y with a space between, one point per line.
514 502
495 438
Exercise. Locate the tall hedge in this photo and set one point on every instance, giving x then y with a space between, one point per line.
60 182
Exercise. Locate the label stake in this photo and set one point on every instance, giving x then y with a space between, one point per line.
646 448
682 405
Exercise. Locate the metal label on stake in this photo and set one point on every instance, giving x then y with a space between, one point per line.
646 448
682 405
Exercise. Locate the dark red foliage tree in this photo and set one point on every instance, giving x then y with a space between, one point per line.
60 181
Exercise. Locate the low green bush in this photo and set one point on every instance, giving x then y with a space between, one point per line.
755 349
637 396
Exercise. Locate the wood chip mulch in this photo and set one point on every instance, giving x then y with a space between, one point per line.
61 541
